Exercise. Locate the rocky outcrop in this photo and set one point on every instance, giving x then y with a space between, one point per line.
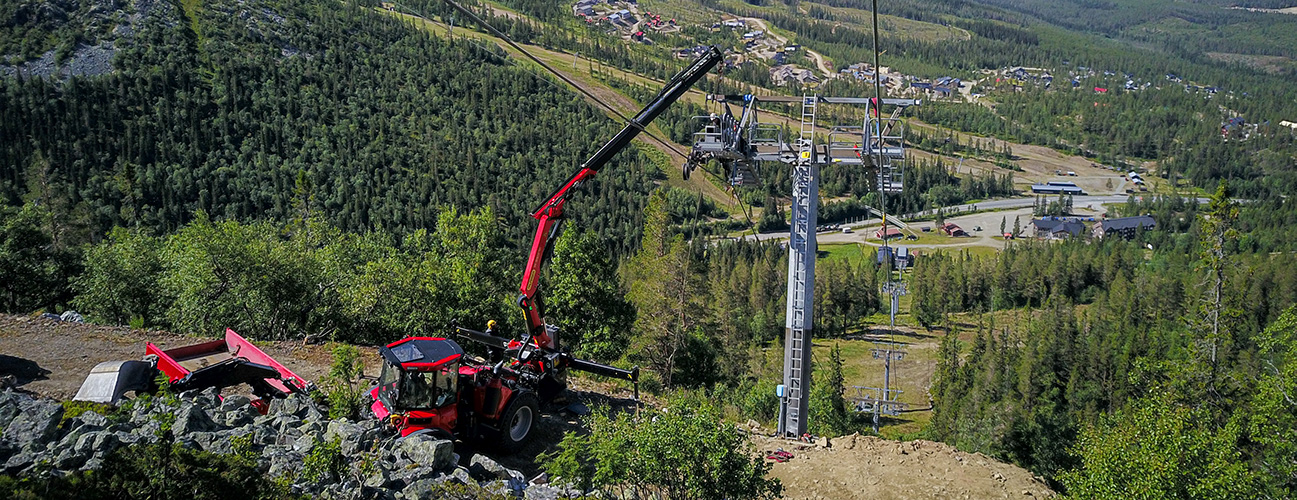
36 437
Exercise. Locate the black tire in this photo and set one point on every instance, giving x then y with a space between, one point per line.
518 422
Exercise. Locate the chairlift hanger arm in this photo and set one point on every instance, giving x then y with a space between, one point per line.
551 211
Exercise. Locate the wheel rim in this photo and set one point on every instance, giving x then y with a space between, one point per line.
521 424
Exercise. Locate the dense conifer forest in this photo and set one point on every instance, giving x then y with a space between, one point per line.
303 170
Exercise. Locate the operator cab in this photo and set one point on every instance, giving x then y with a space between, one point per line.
419 382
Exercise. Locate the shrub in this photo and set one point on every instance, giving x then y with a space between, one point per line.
324 462
343 390
153 471
683 451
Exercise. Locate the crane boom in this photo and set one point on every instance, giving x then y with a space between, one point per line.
551 211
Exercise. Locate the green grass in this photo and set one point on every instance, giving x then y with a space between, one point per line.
911 375
850 252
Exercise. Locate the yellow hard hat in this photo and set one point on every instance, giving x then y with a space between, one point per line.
490 324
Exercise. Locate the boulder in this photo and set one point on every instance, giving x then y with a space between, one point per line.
283 461
91 419
482 468
264 435
192 418
220 441
68 459
37 423
401 477
377 480
207 398
505 487
294 405
312 427
429 488
544 492
238 416
203 439
235 402
24 458
8 408
428 451
341 430
304 444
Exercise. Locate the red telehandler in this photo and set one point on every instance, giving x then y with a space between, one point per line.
429 385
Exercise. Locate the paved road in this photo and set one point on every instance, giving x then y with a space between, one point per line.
1001 204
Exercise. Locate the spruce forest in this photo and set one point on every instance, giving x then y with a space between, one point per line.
358 172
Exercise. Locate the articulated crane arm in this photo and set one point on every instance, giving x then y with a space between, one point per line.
551 212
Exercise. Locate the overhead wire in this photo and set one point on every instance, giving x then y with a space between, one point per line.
499 34
747 214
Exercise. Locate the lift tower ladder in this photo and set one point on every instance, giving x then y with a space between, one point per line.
801 275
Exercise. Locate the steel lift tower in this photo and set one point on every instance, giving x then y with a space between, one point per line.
741 144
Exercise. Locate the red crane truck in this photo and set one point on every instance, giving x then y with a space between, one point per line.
429 385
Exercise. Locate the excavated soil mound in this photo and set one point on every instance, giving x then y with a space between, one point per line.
866 467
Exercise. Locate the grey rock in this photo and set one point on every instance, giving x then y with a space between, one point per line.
37 423
284 423
421 490
193 418
207 398
204 439
283 462
429 451
461 475
313 414
294 404
377 480
24 458
238 416
126 437
68 458
341 430
503 487
92 419
185 441
304 444
8 409
544 492
104 443
220 441
312 427
93 463
235 402
402 477
264 434
483 468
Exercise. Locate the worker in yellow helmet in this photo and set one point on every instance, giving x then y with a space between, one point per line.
493 353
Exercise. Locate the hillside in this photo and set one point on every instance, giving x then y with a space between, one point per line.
265 110
50 358
363 171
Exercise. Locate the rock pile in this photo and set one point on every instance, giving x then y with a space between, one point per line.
37 437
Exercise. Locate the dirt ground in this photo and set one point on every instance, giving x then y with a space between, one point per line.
866 467
50 358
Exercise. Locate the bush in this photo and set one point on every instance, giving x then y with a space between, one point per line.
343 390
153 471
683 451
325 462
